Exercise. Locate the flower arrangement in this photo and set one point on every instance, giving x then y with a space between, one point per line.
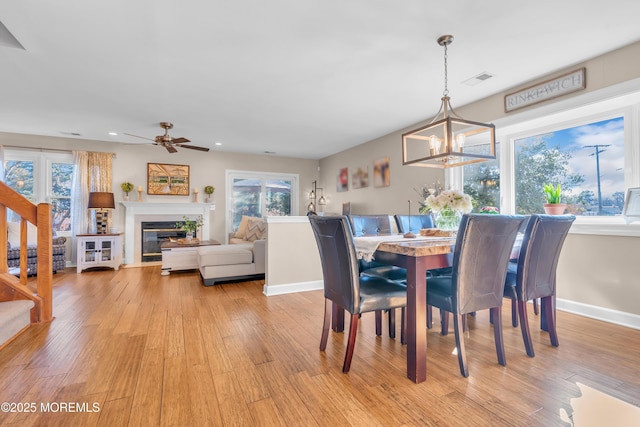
491 210
449 200
190 226
126 187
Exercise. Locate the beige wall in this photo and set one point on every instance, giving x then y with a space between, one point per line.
293 260
130 164
594 270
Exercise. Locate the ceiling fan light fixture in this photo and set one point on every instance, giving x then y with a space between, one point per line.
449 140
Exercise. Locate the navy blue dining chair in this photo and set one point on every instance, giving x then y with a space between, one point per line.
482 252
533 276
343 284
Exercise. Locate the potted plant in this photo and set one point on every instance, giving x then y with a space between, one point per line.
190 226
208 190
554 205
126 187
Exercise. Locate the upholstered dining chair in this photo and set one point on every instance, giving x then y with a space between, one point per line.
534 274
343 284
480 259
413 223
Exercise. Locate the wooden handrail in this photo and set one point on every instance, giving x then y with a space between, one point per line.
40 216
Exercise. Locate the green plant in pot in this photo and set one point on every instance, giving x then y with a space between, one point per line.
208 190
190 226
126 188
554 205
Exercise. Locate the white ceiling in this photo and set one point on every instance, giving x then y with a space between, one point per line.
301 78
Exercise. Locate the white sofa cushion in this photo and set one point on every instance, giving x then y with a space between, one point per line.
13 234
225 255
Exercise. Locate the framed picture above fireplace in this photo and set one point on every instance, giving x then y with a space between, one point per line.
167 180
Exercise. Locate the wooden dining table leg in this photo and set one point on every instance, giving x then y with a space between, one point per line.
416 319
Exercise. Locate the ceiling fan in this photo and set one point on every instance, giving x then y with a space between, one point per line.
169 142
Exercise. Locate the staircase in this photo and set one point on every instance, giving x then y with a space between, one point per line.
19 305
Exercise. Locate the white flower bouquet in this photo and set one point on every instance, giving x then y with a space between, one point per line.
449 200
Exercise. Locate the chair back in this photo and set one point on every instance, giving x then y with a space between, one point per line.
338 259
480 259
539 254
413 223
370 225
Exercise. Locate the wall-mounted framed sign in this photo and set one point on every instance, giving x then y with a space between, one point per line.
558 86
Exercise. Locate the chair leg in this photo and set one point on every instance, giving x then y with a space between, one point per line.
353 332
497 335
551 319
392 323
464 323
462 357
444 322
326 324
403 326
524 327
514 313
378 322
535 306
429 316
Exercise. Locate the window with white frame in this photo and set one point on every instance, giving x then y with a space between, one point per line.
260 194
591 150
42 177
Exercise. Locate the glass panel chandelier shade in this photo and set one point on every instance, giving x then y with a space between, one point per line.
444 142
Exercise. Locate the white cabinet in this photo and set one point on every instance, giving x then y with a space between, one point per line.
99 250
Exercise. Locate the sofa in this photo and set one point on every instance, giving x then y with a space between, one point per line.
58 250
244 258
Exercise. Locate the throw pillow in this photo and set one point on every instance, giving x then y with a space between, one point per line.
241 233
13 234
256 229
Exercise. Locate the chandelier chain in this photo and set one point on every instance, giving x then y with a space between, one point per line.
446 80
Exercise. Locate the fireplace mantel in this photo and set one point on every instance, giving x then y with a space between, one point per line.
136 212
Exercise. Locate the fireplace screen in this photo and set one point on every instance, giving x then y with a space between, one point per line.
154 234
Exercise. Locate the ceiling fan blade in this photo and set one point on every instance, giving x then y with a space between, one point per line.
171 148
179 140
194 147
130 134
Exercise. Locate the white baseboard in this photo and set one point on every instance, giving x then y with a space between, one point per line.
288 288
600 313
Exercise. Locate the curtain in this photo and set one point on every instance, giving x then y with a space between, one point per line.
91 172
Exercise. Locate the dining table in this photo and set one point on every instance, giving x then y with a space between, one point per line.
416 255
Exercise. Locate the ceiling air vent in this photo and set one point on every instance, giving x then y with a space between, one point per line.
478 79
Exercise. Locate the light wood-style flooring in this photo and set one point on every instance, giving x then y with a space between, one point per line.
134 348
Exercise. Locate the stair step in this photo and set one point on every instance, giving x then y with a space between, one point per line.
14 317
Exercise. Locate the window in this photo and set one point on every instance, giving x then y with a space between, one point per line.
42 177
482 181
260 194
587 160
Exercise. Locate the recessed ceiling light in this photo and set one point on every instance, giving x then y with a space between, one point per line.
218 143
113 133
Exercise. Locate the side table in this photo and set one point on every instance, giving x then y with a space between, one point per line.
99 250
182 256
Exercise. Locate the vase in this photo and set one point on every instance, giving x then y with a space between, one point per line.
189 236
126 197
554 208
448 219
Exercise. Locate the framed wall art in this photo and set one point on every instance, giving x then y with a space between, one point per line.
381 176
167 180
342 180
360 177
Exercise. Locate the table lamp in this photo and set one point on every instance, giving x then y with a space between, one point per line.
101 201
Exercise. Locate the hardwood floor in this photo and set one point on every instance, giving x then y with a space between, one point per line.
136 348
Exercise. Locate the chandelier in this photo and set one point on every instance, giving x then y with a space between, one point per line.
449 140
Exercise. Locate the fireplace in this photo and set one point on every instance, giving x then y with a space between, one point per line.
154 234
138 212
